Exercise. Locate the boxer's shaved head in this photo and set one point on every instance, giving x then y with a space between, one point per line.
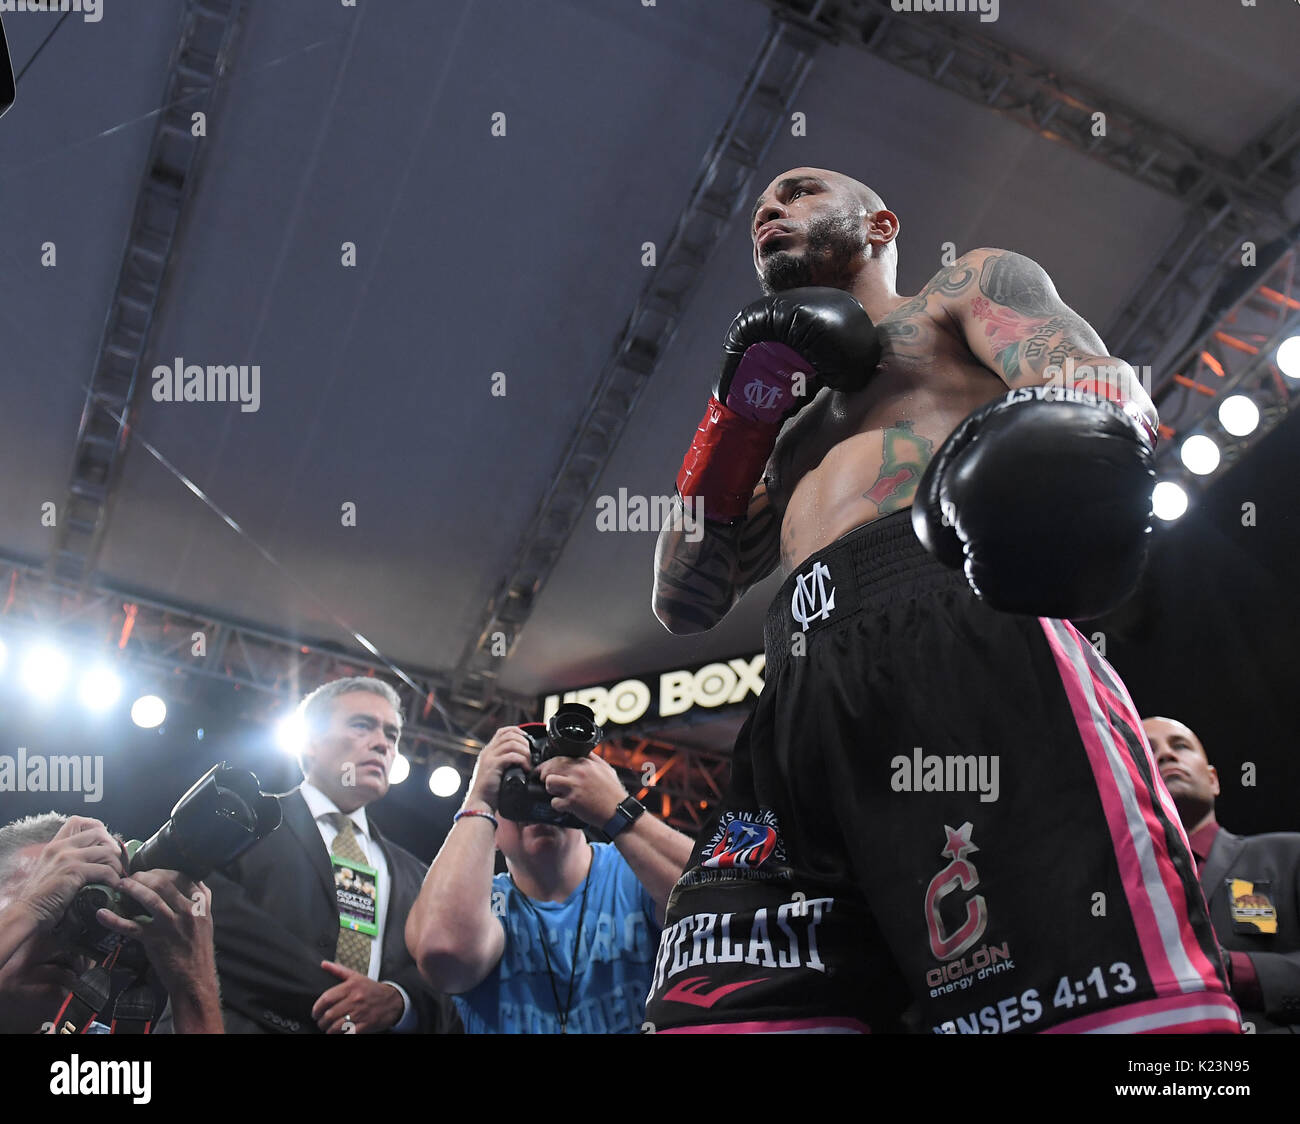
826 229
870 201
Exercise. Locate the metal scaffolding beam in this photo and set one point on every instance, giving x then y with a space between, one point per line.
681 783
201 57
271 672
1234 353
724 186
1164 304
1231 199
1058 107
274 670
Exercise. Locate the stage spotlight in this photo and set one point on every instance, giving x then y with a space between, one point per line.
1288 357
291 734
444 781
1238 415
44 671
1200 454
148 711
100 689
1168 501
400 771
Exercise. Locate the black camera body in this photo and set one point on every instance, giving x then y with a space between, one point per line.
571 732
223 814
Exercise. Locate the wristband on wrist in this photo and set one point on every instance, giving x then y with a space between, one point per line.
475 812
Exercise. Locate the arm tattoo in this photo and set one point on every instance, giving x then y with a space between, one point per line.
1038 342
1003 327
902 328
692 580
905 456
951 281
1019 284
696 583
1027 325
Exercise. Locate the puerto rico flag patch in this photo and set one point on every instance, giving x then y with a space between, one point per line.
744 842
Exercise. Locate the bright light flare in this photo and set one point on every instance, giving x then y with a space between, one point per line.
1169 501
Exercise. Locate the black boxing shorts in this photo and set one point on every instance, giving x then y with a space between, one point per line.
941 818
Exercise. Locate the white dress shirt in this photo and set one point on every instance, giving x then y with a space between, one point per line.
323 809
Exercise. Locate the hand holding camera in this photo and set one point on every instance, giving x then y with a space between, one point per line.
524 768
158 917
509 748
223 814
83 852
176 934
584 787
570 735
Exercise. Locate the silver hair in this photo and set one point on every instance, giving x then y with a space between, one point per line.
27 832
316 707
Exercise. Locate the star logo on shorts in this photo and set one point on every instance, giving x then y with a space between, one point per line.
959 844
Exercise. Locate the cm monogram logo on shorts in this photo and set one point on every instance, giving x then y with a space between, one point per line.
811 601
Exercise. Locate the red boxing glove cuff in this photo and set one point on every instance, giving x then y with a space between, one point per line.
726 461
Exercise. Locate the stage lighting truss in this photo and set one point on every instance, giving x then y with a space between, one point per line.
679 783
1235 354
199 656
192 652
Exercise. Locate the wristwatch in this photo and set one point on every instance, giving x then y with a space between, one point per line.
624 816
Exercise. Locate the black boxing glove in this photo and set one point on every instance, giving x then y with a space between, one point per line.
1043 498
778 353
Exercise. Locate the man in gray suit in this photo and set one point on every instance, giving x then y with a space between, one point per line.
310 921
1252 884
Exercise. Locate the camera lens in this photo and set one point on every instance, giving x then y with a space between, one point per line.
231 806
572 731
572 726
90 899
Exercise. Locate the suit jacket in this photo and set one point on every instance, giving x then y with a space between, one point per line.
1261 858
275 919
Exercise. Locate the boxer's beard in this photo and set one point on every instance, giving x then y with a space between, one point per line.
833 245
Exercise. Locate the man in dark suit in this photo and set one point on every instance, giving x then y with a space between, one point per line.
1252 884
299 950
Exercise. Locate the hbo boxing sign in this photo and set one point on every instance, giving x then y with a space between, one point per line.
669 693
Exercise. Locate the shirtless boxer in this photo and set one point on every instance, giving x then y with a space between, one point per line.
942 815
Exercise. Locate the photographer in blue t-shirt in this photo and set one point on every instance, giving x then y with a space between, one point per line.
566 940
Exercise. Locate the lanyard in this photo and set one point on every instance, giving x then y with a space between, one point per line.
563 1013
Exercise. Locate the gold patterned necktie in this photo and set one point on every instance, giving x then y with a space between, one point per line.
353 948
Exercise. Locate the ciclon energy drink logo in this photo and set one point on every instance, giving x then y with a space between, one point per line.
743 843
951 941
